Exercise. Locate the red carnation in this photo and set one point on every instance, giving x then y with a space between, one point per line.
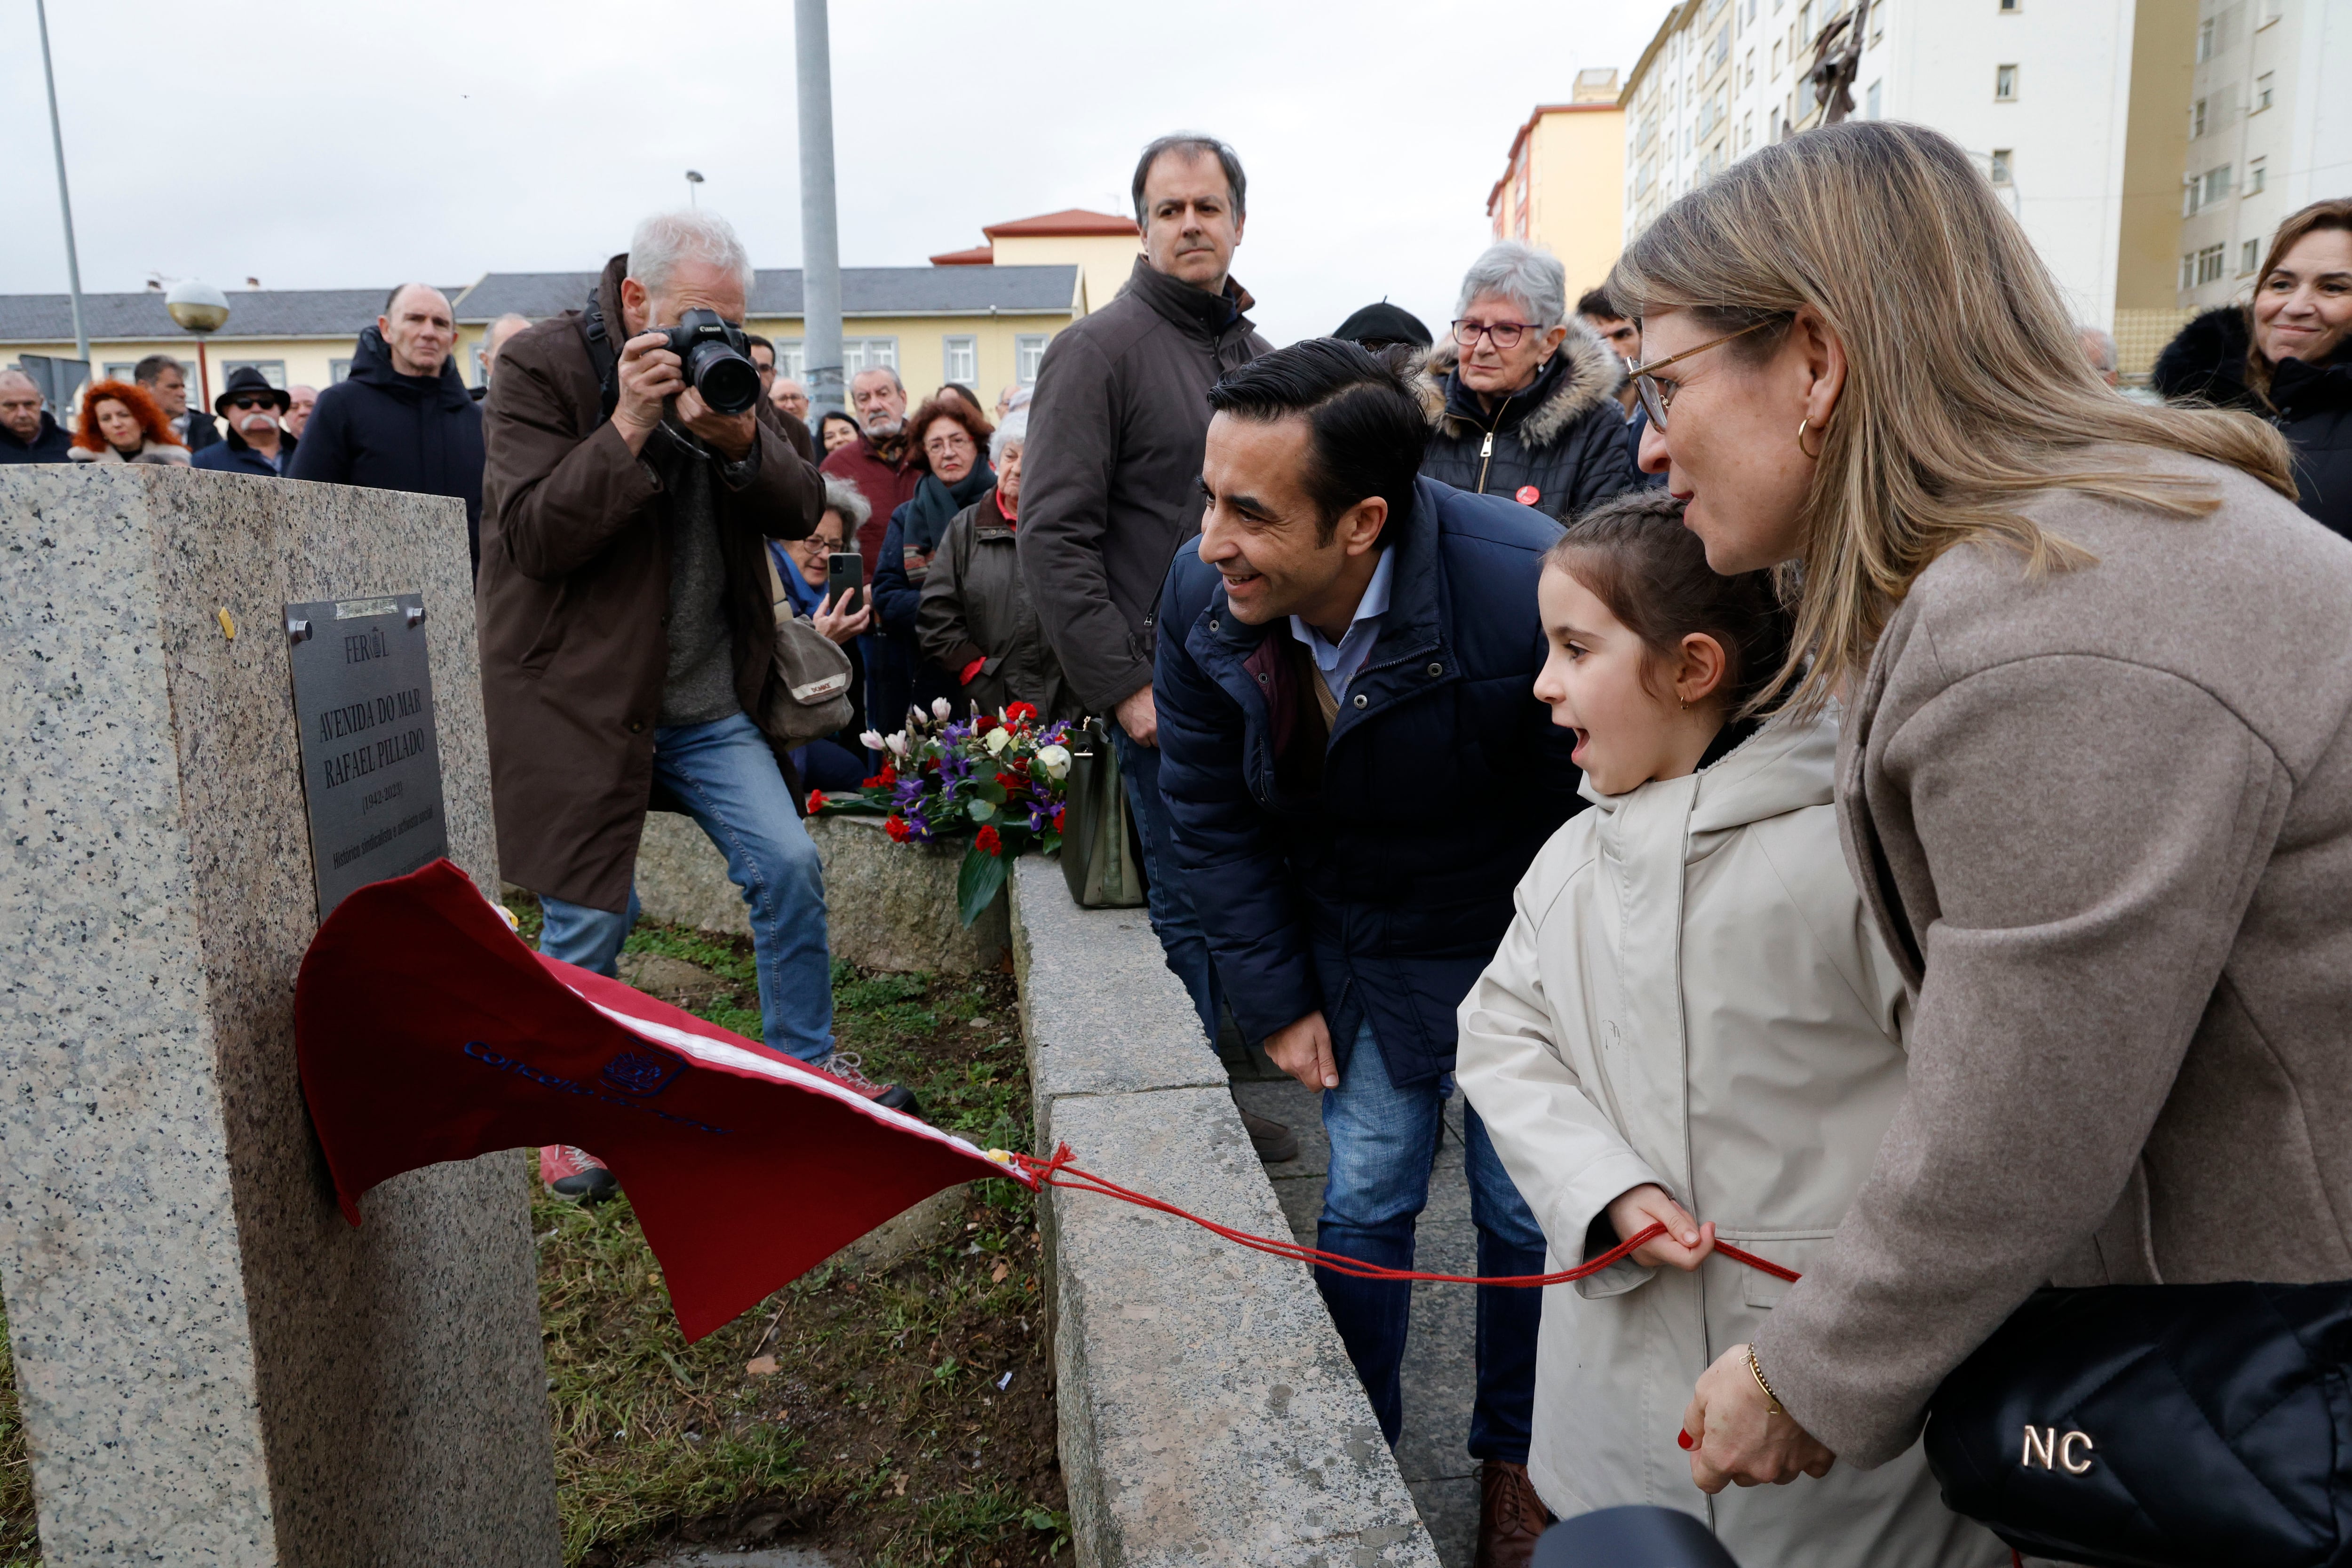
1057 818
895 826
987 839
1020 712
983 725
1008 781
816 801
890 775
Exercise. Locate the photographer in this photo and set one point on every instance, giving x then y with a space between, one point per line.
624 613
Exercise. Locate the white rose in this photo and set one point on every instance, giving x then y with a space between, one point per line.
998 739
939 708
1055 760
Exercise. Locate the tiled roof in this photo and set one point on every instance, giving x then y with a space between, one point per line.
865 292
1068 221
977 256
252 314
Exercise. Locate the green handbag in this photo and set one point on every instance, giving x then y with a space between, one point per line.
1098 851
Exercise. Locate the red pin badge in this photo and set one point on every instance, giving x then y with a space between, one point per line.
1528 495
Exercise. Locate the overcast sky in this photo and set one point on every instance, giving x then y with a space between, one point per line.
362 142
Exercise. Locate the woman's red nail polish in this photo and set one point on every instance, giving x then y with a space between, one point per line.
1684 1439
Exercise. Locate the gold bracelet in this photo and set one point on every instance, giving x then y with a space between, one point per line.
1771 1399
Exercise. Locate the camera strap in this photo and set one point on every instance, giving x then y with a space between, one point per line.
602 356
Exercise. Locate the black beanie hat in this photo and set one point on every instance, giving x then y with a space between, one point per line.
1384 323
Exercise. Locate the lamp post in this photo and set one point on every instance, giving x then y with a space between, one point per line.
693 188
820 232
202 310
65 201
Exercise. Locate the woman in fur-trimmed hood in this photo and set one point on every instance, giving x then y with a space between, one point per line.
1522 396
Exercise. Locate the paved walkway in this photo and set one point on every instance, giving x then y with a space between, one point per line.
1439 1369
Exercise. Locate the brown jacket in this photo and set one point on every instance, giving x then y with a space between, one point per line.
2105 819
976 607
1110 480
573 596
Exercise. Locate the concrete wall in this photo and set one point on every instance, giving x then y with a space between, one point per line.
1209 1414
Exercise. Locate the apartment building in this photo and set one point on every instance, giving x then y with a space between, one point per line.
2071 107
1560 180
2269 131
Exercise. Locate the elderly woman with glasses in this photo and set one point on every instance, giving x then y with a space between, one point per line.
948 444
1525 396
835 762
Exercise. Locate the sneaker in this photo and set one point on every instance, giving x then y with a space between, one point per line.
573 1173
847 1066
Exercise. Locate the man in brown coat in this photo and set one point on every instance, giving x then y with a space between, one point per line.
626 621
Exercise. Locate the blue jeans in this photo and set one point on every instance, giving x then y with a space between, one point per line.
728 778
1172 919
1382 1142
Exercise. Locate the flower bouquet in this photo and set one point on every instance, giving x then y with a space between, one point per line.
998 777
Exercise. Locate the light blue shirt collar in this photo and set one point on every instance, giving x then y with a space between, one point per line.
1341 664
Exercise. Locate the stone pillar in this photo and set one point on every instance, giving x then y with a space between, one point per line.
213 1367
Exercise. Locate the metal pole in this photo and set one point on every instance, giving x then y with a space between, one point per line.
65 202
820 234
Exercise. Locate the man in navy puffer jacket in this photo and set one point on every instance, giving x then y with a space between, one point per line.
1360 773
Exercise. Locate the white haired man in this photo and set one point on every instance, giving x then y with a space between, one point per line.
1529 394
494 338
627 632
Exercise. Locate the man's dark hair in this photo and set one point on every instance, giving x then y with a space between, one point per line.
1192 144
753 339
147 369
1367 429
1597 304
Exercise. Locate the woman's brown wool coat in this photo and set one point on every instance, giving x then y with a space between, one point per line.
572 600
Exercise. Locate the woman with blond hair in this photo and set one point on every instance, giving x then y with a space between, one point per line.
2095 778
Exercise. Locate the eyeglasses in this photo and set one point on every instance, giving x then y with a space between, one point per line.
816 544
950 445
1657 398
1502 334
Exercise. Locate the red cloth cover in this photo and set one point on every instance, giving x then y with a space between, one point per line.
428 1031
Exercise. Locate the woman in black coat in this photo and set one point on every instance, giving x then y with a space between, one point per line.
2284 356
1522 395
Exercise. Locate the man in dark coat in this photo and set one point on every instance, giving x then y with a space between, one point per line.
167 382
27 434
2310 403
402 420
254 443
1524 396
1360 773
627 630
1113 486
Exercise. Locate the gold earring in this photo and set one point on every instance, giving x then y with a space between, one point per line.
1815 455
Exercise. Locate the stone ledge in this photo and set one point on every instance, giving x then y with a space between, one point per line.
1209 1414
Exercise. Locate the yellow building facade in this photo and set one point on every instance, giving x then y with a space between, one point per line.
1563 182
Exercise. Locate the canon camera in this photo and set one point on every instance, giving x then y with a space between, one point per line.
717 362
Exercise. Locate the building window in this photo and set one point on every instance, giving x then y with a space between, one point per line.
2196 119
1747 74
339 370
1870 110
1878 21
959 359
1028 353
2004 84
2262 92
2188 273
2210 264
2204 40
1776 62
791 359
2002 170
2217 185
2271 11
2250 256
273 371
2258 174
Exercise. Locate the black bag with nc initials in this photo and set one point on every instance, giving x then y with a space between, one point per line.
2158 1427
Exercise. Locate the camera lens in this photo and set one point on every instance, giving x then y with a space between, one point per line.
728 382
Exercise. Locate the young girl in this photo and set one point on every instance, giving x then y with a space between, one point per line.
1692 1017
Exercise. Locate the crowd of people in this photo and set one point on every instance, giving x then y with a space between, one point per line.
1807 761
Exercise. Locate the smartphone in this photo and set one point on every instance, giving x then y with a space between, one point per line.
844 581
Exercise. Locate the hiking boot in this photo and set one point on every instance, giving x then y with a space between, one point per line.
1274 1141
847 1066
573 1173
1510 1516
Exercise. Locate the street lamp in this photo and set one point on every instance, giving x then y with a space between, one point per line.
693 178
202 310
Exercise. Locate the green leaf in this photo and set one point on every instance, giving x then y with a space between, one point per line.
980 810
978 881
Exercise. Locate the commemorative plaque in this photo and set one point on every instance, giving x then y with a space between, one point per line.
371 766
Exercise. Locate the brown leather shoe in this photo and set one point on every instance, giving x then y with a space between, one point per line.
1510 1516
1274 1141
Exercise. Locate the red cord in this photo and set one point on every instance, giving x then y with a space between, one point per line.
1052 1174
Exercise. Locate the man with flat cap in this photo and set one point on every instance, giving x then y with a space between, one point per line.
254 443
1384 326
